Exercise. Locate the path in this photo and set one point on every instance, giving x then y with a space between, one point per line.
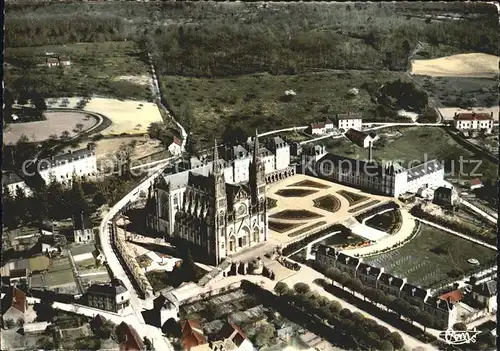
479 211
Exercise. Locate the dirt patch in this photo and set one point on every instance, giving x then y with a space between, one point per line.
139 80
463 65
55 124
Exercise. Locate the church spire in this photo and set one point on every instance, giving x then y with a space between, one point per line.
215 165
256 147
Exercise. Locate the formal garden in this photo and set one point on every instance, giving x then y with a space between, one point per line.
353 198
309 184
282 227
271 203
295 215
295 192
363 206
328 203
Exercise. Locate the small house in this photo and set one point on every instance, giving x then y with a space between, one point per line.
360 138
475 184
192 334
347 121
64 61
446 196
176 147
14 305
316 129
82 228
445 312
52 62
486 293
232 332
46 228
128 338
18 275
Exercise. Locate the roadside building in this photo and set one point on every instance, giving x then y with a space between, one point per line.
14 305
64 61
475 184
128 338
110 297
12 182
232 332
47 228
445 311
369 275
486 293
360 138
316 129
472 121
415 293
348 264
175 148
48 244
168 307
446 196
35 328
347 121
18 275
326 256
82 228
52 62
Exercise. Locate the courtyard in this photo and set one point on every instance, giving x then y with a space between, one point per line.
431 257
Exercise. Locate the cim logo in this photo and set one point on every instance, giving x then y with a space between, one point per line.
459 337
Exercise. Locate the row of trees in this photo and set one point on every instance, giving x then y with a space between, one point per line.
365 330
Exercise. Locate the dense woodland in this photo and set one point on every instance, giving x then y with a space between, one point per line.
219 39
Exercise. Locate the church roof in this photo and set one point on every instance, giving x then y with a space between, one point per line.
232 190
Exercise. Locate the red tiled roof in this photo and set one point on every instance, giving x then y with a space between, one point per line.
192 334
177 141
356 136
317 125
52 60
452 296
131 340
234 333
472 116
18 299
476 182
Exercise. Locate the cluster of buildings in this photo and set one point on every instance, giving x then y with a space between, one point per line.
443 307
342 121
220 205
61 61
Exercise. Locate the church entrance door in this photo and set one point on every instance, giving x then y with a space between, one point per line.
240 242
232 244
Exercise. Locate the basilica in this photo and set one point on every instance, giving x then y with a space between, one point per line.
220 206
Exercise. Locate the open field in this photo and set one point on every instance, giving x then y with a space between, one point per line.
410 144
432 256
55 124
208 106
462 65
116 69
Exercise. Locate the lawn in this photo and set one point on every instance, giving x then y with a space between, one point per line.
116 69
295 192
281 227
327 203
417 144
208 106
431 257
295 215
353 198
389 222
310 184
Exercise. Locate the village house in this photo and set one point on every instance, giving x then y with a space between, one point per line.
369 275
12 182
348 121
167 306
444 311
232 332
414 293
110 297
347 264
446 196
320 128
46 228
361 139
473 121
18 275
48 244
128 338
14 305
82 228
64 61
52 62
486 294
475 184
192 335
390 284
175 148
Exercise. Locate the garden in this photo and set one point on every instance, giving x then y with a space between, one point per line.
353 198
282 227
307 229
433 257
363 206
328 203
295 192
295 215
307 183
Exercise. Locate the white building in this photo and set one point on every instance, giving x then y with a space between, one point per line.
320 128
82 163
110 297
176 147
473 121
82 228
347 121
64 61
12 182
52 62
167 306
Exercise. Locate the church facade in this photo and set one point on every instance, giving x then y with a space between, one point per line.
219 206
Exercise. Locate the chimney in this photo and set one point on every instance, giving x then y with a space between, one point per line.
370 152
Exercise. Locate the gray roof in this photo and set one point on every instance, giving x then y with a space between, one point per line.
356 166
114 288
81 249
415 291
428 167
440 304
395 281
82 221
348 116
487 289
66 157
366 269
9 178
347 260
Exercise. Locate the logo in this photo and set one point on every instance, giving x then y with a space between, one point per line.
459 337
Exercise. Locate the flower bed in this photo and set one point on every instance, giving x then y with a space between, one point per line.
310 184
281 227
328 203
295 215
362 207
306 229
295 192
353 198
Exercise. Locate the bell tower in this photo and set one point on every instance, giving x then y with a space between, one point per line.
257 175
219 205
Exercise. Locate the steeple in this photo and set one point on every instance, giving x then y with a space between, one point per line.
256 147
257 176
215 165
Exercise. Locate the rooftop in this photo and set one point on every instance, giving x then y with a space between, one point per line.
488 289
66 157
114 288
177 141
389 279
132 340
9 178
82 221
473 116
348 116
14 298
452 296
428 167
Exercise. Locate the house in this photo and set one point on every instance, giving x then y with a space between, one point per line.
445 311
326 256
12 182
316 129
14 305
97 323
82 228
486 293
414 293
232 332
217 345
46 228
176 147
295 149
390 284
128 338
347 121
35 328
283 329
475 184
192 334
64 61
454 296
167 306
360 138
472 121
369 275
48 244
446 196
18 275
98 256
52 62
25 242
110 297
347 264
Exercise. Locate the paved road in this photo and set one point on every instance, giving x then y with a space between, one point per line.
479 211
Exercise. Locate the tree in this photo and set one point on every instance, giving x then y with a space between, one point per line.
172 328
357 317
334 307
280 288
78 201
345 313
79 127
396 340
459 326
262 335
302 288
426 319
413 313
332 273
383 332
385 345
343 279
65 135
233 135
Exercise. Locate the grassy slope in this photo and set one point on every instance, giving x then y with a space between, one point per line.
253 101
94 69
460 250
418 144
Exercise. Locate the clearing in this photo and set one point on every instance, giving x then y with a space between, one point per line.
462 65
431 257
55 124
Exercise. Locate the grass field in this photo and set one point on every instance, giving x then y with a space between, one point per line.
420 143
389 222
419 262
207 106
116 69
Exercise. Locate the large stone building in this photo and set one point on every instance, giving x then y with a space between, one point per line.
110 297
220 205
473 121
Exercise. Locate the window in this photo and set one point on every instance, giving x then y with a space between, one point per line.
222 245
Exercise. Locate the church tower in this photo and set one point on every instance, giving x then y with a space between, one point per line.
220 203
257 176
